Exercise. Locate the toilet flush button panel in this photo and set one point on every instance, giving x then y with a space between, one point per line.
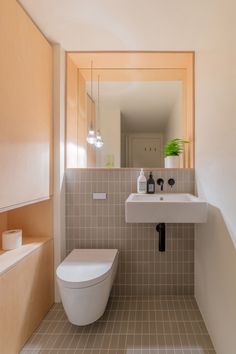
99 196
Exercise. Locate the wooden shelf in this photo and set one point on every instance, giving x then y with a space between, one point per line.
8 259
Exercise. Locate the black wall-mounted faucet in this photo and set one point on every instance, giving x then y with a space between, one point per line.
160 182
171 182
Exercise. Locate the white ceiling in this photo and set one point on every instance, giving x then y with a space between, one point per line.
132 24
145 105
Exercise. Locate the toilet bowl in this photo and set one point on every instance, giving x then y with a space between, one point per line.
85 278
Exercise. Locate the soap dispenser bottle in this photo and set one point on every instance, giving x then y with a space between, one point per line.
150 184
141 183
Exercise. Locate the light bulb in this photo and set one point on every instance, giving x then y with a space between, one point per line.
91 138
99 142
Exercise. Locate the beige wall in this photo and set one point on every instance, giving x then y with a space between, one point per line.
215 285
173 128
25 108
215 254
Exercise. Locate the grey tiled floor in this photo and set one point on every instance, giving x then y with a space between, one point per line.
130 325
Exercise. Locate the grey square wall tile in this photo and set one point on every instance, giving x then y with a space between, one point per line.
143 270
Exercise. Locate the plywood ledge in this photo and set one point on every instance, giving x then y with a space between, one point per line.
26 295
9 259
20 205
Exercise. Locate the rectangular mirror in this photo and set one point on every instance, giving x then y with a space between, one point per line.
135 103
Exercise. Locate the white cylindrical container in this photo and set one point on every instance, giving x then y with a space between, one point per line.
172 162
141 183
11 239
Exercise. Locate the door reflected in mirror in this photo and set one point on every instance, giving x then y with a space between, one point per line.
135 109
136 119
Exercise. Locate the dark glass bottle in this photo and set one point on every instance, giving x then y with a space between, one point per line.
150 184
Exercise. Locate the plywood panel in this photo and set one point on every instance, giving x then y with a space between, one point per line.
3 225
34 220
188 118
165 60
71 114
91 123
132 74
25 108
82 122
3 222
26 295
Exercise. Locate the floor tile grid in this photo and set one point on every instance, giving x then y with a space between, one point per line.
129 325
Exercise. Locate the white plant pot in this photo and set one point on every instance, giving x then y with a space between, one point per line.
172 162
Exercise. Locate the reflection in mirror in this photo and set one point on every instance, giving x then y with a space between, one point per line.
136 119
135 102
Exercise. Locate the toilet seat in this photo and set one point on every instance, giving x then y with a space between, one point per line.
86 267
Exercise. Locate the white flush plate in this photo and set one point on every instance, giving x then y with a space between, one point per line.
99 196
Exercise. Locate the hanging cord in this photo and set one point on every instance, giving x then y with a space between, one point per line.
91 100
91 77
99 142
98 110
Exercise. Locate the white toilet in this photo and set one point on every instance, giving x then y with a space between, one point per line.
85 278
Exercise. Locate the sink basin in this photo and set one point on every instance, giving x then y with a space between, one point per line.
166 208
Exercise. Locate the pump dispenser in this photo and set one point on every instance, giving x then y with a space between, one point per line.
150 184
141 183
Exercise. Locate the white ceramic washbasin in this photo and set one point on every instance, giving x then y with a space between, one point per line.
165 207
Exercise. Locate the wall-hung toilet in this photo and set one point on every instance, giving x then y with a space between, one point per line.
85 278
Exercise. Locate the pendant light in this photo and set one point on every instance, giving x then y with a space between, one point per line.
99 142
91 137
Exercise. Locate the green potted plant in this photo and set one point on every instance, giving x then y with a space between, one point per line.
172 151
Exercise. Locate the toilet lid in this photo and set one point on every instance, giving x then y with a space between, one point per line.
86 267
